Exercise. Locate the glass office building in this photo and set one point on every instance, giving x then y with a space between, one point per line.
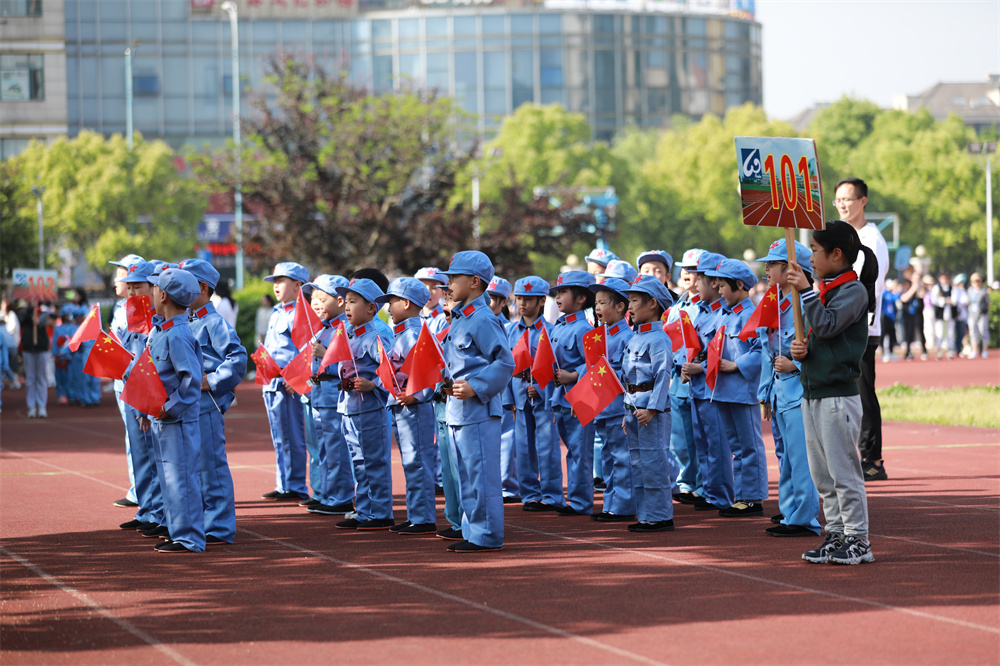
619 62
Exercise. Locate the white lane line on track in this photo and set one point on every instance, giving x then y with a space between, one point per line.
923 501
69 471
86 600
759 579
459 600
937 545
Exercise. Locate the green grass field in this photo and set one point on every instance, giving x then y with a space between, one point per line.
977 406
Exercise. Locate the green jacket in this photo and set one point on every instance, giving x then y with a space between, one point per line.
838 336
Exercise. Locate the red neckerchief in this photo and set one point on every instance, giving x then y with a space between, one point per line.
825 286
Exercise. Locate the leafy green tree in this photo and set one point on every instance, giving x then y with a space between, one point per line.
18 228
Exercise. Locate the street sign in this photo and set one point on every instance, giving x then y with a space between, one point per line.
780 183
34 285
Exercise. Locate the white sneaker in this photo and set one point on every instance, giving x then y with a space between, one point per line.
985 354
42 414
15 385
31 413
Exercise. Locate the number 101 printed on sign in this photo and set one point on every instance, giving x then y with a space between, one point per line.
780 183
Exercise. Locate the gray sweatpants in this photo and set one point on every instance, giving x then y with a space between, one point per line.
832 427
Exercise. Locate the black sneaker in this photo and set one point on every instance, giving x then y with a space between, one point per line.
568 511
874 472
605 517
743 509
658 526
686 498
212 540
419 528
142 527
310 501
599 484
777 518
450 534
125 503
821 555
439 490
271 495
131 525
376 524
324 509
172 547
160 531
469 547
789 531
399 526
854 550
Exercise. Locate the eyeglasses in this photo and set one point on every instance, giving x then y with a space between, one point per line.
837 202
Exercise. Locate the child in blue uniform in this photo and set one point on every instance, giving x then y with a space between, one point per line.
178 360
225 363
334 490
646 375
499 291
60 351
610 306
363 405
479 365
412 415
447 470
433 312
572 294
780 393
598 260
735 394
284 411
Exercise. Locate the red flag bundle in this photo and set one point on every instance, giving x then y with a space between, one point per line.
597 389
522 354
595 345
267 367
543 367
139 314
765 315
107 359
88 330
385 371
339 348
298 371
144 389
683 334
714 358
305 323
424 363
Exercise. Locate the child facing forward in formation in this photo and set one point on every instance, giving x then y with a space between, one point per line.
836 315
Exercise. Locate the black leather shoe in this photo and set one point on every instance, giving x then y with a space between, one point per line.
789 531
605 517
131 525
469 547
450 534
658 526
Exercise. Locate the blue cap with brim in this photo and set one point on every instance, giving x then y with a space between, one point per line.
289 269
601 257
366 289
569 279
616 285
159 266
689 260
127 260
734 269
708 261
779 252
139 272
532 285
499 287
649 285
620 269
179 285
471 262
202 271
410 289
655 255
328 283
432 273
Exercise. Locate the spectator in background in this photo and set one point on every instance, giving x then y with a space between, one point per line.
226 305
35 352
890 300
929 311
911 305
979 311
263 316
12 329
961 299
942 298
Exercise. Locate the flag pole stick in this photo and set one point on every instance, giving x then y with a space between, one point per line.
796 302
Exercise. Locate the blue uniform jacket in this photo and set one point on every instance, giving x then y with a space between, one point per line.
62 333
278 340
326 394
406 333
476 351
647 358
436 321
781 390
566 337
178 360
224 357
740 386
119 326
619 335
516 393
364 350
688 302
706 324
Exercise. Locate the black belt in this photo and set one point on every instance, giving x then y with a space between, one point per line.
524 375
325 377
701 358
633 408
639 388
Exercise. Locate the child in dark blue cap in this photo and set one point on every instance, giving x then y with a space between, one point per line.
499 291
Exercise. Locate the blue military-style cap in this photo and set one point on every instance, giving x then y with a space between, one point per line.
614 284
734 269
572 279
127 260
289 269
139 272
689 260
601 256
471 262
201 270
532 285
618 268
366 289
655 255
159 266
432 273
328 283
179 285
499 287
649 285
410 289
708 261
779 252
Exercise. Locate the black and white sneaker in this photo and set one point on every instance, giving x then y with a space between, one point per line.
854 550
821 555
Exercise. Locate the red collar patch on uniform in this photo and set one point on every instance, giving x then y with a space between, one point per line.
616 329
202 312
716 305
399 328
468 310
645 328
360 330
695 298
289 306
571 318
538 324
785 303
167 325
738 309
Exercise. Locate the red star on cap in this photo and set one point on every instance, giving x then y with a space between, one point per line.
131 269
527 286
559 280
351 283
431 271
775 244
719 266
493 284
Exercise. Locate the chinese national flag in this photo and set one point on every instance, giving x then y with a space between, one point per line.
339 348
595 345
88 330
267 367
682 334
144 390
765 315
597 389
107 359
542 369
305 323
714 357
139 314
298 371
385 371
424 363
522 354
442 335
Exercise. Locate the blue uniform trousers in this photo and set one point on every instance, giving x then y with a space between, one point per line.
741 424
142 460
62 379
647 447
477 457
602 464
619 497
123 410
218 495
179 466
77 360
449 472
798 499
579 441
336 480
715 459
508 455
682 445
414 428
539 459
284 413
312 446
368 438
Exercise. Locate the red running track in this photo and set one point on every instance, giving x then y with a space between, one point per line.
77 590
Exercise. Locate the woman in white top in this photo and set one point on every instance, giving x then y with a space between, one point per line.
224 303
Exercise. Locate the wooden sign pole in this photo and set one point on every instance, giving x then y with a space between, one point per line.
796 301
